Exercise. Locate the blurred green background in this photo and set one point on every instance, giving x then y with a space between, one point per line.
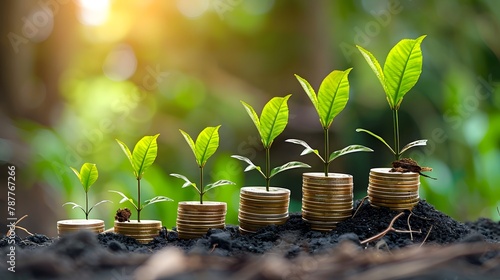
78 74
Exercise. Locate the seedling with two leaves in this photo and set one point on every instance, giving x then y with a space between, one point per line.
401 72
205 146
88 176
272 122
331 99
142 157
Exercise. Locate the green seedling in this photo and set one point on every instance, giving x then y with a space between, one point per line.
272 122
329 102
205 146
402 70
141 159
88 175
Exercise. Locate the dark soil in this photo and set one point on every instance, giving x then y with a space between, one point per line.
451 250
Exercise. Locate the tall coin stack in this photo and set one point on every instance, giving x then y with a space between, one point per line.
326 201
394 190
69 226
259 208
195 219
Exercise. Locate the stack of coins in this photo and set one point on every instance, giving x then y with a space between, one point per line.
68 226
326 201
259 208
143 231
195 219
394 190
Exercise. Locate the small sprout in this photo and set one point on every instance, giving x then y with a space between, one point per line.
329 102
401 72
88 175
205 146
272 122
142 157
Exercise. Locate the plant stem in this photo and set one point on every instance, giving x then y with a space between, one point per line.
201 185
86 205
268 164
395 119
327 142
139 200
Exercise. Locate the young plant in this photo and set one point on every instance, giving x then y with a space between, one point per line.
272 122
141 158
205 146
329 102
88 175
402 69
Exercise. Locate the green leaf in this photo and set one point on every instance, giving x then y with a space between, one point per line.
155 199
127 153
206 144
422 142
99 203
253 115
144 154
376 136
251 165
375 66
347 150
286 166
307 150
402 69
219 183
187 183
333 95
88 175
273 119
74 205
309 91
190 142
125 198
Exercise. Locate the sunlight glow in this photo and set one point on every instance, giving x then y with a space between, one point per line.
192 8
93 12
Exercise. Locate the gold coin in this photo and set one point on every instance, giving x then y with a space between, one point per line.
393 188
273 191
195 206
327 198
263 210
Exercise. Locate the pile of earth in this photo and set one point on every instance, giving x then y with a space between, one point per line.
423 244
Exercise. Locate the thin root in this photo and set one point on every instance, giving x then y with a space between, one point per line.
19 227
388 229
409 226
359 206
426 236
213 248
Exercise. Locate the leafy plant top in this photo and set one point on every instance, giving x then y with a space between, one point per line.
331 99
205 146
272 122
402 69
143 155
141 158
87 176
401 72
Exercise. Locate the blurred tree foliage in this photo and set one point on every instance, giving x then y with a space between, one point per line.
78 74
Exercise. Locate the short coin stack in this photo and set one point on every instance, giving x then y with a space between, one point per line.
259 208
394 190
68 226
195 219
143 231
326 201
